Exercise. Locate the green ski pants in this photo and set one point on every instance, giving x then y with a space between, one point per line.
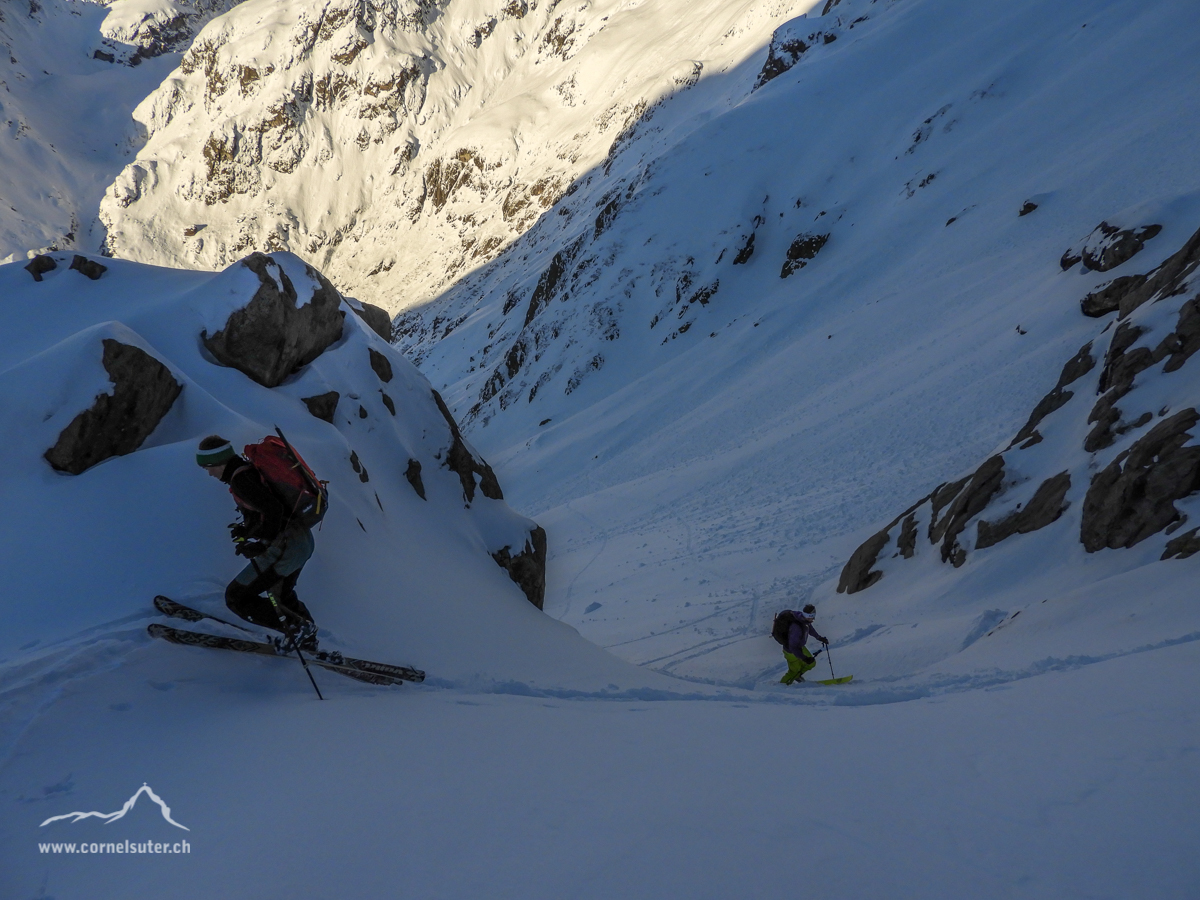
797 665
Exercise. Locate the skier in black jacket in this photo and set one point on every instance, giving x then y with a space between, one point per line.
798 657
277 549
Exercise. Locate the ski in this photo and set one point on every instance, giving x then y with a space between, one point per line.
169 607
360 670
841 680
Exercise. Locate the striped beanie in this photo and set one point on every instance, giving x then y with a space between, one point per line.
214 450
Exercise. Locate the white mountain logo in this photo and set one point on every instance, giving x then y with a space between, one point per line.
111 817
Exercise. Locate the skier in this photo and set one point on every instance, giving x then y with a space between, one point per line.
276 544
798 657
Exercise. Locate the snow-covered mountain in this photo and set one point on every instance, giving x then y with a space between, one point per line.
72 73
401 144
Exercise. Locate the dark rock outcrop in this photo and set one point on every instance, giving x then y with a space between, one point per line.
1109 246
359 468
322 405
803 248
463 463
527 568
1123 364
1077 366
1107 298
550 280
40 265
381 365
388 402
413 474
1133 497
271 336
785 51
969 503
857 574
1026 208
745 251
1183 546
88 267
118 423
376 317
1044 507
1124 295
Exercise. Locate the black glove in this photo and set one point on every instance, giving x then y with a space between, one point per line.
825 641
237 530
250 549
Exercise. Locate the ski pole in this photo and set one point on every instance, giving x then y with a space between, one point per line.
829 659
285 629
308 671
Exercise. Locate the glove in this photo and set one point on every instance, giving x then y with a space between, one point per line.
825 641
237 530
250 549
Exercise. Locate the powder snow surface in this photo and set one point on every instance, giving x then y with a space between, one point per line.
1022 727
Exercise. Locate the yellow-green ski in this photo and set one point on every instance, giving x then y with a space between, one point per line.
841 680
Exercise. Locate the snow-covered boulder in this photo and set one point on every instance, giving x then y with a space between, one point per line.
277 331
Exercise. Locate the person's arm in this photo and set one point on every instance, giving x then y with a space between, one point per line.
817 635
263 512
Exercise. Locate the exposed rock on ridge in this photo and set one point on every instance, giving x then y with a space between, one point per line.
118 423
1145 468
527 568
272 336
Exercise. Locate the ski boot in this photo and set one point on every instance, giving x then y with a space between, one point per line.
303 637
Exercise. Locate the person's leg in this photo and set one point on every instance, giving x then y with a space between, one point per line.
296 549
807 661
287 597
244 597
794 668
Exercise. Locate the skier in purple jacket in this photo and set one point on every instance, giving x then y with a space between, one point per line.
798 657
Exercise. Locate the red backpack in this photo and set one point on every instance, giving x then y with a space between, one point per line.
304 496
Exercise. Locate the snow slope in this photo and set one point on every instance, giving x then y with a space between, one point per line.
714 439
1074 785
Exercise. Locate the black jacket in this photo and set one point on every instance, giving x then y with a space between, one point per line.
261 509
798 635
